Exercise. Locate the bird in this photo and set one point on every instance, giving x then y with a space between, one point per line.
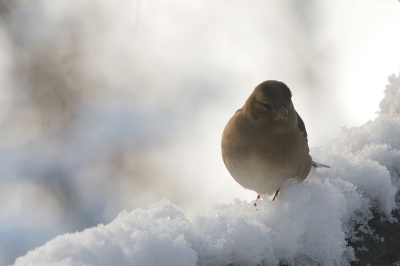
265 143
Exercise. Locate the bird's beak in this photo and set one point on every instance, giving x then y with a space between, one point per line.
283 110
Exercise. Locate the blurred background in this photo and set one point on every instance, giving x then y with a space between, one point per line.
111 105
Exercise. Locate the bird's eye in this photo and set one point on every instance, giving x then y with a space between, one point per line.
267 106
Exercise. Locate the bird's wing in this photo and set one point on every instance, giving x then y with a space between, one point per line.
302 127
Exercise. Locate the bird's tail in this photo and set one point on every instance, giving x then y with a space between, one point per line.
319 165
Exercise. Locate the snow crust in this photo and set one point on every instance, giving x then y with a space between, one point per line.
308 224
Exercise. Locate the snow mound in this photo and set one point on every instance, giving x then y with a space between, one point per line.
391 103
308 224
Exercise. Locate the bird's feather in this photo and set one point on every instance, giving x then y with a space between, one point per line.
319 165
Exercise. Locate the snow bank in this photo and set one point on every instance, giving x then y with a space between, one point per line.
308 224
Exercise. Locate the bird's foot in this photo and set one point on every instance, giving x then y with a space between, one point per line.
255 203
276 194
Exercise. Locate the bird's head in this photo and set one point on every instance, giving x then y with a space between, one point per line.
271 105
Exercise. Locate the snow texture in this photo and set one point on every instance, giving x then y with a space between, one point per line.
308 224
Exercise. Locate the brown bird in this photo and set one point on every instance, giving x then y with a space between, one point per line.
265 143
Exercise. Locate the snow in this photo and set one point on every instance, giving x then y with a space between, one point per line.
308 224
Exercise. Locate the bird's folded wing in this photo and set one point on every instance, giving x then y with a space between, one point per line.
301 126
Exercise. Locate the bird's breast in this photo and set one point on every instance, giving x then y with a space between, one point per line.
262 161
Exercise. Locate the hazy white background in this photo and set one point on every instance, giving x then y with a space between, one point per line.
111 105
